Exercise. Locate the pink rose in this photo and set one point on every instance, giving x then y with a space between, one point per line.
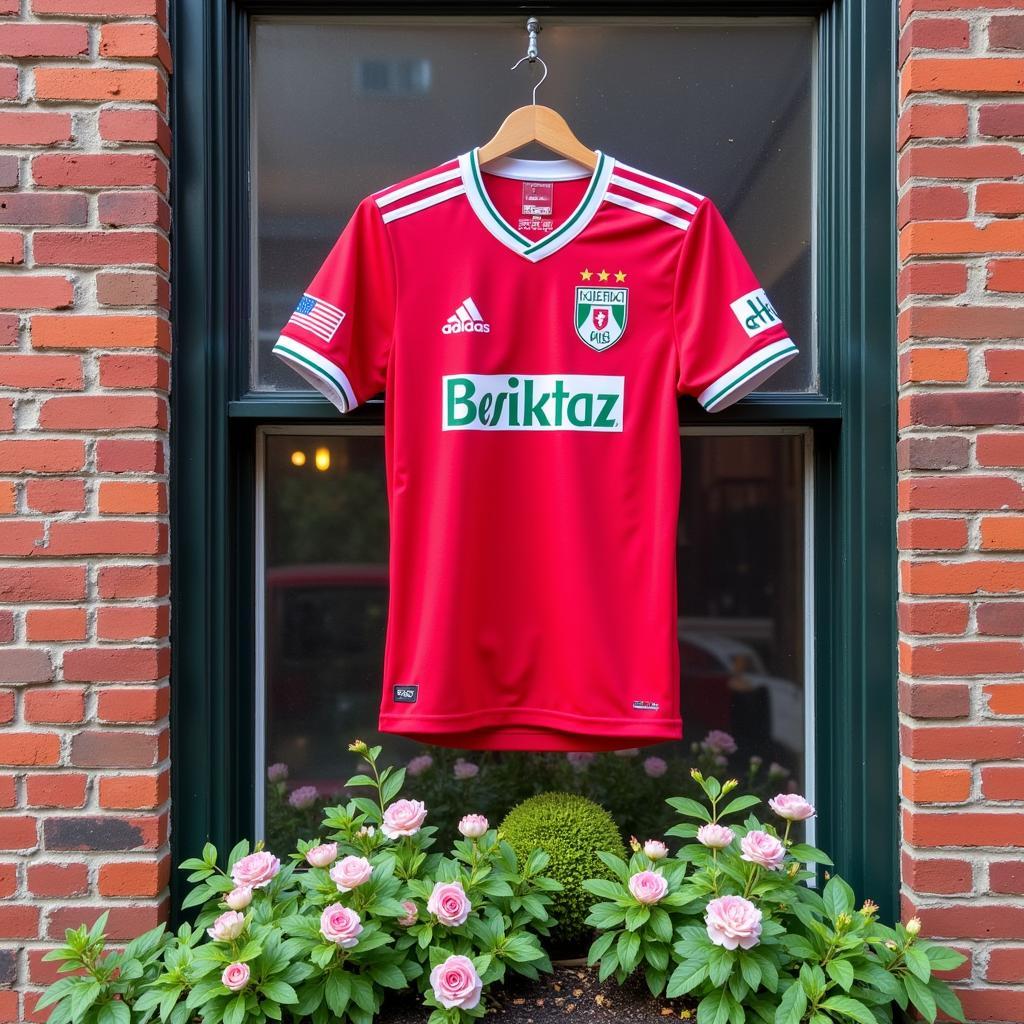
323 855
256 870
403 818
239 898
655 767
227 927
715 837
465 769
303 797
792 807
655 849
719 742
277 772
340 925
648 886
580 759
412 912
761 848
456 983
449 904
473 826
350 873
733 921
418 765
235 977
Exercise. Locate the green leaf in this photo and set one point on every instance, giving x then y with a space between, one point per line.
750 969
838 897
946 999
393 786
360 780
660 924
720 964
628 950
599 948
686 977
740 803
337 991
921 997
605 889
714 1008
114 1012
792 1006
841 972
689 808
617 864
918 963
388 975
941 958
809 854
852 1008
279 991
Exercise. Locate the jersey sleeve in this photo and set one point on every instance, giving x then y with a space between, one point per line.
729 338
339 336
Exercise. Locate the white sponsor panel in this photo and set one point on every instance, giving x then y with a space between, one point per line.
755 312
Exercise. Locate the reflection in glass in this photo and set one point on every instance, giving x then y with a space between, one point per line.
343 107
741 638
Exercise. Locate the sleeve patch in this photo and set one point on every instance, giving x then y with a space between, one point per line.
755 312
317 316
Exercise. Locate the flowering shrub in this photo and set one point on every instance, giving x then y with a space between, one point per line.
730 921
327 934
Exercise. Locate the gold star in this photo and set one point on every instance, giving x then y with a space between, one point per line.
586 275
620 276
602 275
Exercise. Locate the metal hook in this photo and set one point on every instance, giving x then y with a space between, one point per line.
532 28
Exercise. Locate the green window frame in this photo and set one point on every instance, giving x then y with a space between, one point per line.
853 417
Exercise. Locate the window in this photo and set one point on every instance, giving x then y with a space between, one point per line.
278 631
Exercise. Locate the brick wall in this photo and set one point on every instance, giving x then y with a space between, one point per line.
961 489
84 343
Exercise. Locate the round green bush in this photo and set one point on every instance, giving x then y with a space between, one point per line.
570 829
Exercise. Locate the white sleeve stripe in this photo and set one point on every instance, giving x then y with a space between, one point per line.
417 186
662 181
746 375
422 204
653 193
320 372
650 211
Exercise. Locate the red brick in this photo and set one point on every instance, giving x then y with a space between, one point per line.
956 74
21 538
932 202
131 498
134 792
42 583
101 331
1004 365
55 495
134 878
921 534
52 880
135 371
1003 782
1004 618
124 209
932 121
8 498
965 828
100 85
105 412
1001 119
140 288
29 748
100 248
6 706
963 743
1003 450
1006 699
32 129
946 452
124 923
1005 276
18 922
1005 964
999 197
103 8
107 537
135 40
938 877
126 582
25 209
8 792
25 665
135 622
8 880
12 248
10 328
125 456
64 790
98 170
60 624
959 408
941 785
6 626
921 365
114 749
35 291
9 90
935 700
992 160
959 493
958 238
47 372
1006 32
53 40
966 322
54 706
1006 876
972 921
141 704
1002 533
21 456
18 832
132 124
934 34
962 658
116 664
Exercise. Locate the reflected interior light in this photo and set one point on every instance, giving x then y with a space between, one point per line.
298 458
322 459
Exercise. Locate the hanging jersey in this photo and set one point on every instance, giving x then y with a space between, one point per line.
531 325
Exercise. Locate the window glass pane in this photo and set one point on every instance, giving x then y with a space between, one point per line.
343 107
741 636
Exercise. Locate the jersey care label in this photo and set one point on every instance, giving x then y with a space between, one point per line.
538 207
406 694
518 401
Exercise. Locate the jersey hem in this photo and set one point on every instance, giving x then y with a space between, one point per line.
746 375
330 380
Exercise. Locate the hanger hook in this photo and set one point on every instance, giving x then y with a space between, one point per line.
533 27
539 60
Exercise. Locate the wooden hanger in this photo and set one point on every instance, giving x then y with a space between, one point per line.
535 123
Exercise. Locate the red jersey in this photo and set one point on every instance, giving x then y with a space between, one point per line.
531 325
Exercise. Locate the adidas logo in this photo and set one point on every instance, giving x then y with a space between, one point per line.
465 320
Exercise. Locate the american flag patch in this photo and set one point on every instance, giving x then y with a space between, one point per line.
317 316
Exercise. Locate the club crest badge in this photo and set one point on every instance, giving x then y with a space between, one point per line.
600 315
